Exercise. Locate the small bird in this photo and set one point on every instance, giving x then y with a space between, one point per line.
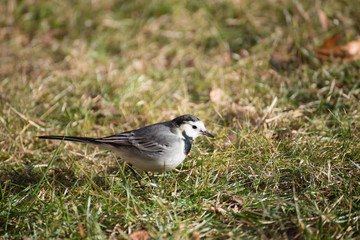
156 148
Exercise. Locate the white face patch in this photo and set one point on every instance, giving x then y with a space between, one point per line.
193 129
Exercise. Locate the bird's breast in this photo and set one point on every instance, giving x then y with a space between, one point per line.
175 156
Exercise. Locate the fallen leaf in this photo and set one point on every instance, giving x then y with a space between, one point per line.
352 48
329 50
139 235
331 41
323 20
81 230
195 236
216 94
139 65
231 139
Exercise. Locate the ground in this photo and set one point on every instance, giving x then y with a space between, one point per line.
285 161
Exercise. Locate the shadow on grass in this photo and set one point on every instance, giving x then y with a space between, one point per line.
15 181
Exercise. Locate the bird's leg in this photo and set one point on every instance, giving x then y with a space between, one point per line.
149 176
136 175
152 180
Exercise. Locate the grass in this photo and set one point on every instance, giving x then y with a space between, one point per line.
290 171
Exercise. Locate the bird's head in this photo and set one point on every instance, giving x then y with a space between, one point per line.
191 126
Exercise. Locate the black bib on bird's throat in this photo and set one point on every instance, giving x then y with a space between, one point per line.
188 141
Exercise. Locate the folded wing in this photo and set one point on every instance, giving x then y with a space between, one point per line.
144 143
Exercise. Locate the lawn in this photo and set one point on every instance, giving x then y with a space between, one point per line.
285 163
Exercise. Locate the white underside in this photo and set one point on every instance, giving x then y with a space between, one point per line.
154 162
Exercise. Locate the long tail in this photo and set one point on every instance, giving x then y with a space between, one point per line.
73 139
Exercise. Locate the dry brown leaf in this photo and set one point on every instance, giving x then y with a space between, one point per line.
139 235
231 139
139 65
323 20
330 51
195 235
330 41
352 48
216 94
81 230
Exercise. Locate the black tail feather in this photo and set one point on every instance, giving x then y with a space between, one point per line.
73 139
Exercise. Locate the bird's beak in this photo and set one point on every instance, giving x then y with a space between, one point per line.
207 134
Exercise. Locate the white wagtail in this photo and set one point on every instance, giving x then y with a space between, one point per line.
156 148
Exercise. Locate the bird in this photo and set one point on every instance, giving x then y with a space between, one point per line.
159 147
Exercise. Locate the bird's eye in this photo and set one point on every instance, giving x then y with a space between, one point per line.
194 127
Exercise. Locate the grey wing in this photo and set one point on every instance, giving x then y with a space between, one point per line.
144 143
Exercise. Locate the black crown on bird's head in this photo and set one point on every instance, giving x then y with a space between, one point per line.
185 118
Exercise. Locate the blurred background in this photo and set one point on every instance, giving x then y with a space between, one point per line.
277 81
